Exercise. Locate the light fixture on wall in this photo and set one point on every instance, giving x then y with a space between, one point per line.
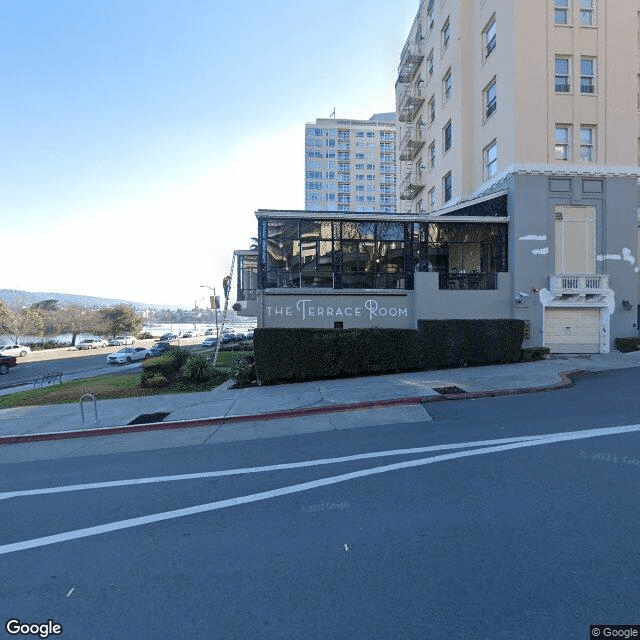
626 305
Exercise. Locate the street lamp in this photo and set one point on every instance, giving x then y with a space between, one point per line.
215 302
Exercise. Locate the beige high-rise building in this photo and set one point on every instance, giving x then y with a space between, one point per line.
538 101
350 165
493 87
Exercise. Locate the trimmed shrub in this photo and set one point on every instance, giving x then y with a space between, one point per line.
164 369
284 355
532 354
625 345
243 370
146 336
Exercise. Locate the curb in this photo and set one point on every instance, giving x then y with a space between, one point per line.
565 381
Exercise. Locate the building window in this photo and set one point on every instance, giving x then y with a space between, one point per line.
587 140
490 99
489 37
432 199
447 137
562 142
432 110
562 78
430 63
561 11
490 160
587 75
446 86
446 35
446 187
587 13
432 155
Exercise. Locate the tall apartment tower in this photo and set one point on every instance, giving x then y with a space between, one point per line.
537 101
350 165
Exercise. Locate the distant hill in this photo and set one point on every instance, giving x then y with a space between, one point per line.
9 296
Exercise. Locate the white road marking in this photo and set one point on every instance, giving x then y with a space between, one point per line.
306 486
274 467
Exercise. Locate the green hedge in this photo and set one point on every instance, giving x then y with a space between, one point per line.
625 345
288 355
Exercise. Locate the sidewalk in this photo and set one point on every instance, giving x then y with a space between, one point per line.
277 410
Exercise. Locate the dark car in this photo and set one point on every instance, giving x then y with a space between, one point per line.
6 362
159 348
168 336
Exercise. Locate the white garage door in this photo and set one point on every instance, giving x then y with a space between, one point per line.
572 330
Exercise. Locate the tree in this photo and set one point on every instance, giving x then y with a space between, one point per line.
75 319
119 319
19 320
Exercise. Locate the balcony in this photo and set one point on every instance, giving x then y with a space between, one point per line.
412 142
579 285
410 60
412 184
410 102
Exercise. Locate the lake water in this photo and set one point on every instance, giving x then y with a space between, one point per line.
155 330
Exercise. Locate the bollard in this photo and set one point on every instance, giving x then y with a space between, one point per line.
95 406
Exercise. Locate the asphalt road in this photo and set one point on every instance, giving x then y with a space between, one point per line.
501 530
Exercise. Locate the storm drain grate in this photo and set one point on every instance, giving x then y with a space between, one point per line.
148 418
445 391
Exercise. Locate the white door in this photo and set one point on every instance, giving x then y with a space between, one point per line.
572 330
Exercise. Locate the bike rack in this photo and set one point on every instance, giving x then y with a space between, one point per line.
89 396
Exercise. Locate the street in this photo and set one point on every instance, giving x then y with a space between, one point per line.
503 518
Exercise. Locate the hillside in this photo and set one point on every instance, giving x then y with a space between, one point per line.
9 296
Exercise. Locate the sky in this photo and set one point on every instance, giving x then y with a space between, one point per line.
139 137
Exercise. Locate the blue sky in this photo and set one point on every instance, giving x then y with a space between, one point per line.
138 138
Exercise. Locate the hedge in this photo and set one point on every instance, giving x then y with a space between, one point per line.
626 345
289 355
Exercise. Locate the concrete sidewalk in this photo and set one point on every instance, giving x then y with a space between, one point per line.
277 410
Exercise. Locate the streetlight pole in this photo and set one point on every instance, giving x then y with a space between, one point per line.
215 302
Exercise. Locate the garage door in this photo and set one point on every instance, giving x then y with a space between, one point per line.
572 330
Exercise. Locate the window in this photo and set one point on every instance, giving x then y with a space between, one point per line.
446 86
562 141
587 75
489 37
446 187
587 148
343 134
561 11
587 13
432 155
447 137
432 109
490 99
432 199
490 160
446 34
430 63
563 66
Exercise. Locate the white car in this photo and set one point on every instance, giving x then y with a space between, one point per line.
91 343
121 340
14 350
128 354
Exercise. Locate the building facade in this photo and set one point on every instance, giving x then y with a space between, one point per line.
541 102
518 150
350 165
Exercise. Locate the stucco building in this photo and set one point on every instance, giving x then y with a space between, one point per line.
518 143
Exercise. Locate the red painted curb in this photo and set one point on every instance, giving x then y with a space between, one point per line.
565 381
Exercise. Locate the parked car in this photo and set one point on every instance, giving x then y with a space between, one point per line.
210 341
14 350
128 354
6 362
209 332
121 340
159 348
168 336
226 337
249 335
189 334
91 343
